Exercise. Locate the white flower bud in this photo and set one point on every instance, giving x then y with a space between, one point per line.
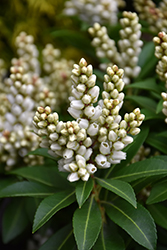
118 155
65 167
87 142
60 126
112 136
19 99
54 136
62 140
127 140
91 81
81 135
86 99
89 111
74 112
76 93
68 153
73 177
73 145
42 124
104 148
55 146
10 118
81 88
121 133
51 128
73 167
83 123
85 177
77 104
101 160
102 138
98 111
134 131
81 150
94 93
91 168
93 129
82 171
88 154
118 145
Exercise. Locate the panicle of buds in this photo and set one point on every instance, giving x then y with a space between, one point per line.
95 10
129 45
97 136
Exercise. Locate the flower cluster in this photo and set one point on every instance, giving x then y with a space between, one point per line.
161 68
155 16
20 94
99 134
91 11
57 74
129 45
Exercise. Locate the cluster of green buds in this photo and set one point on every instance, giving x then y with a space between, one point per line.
91 11
129 45
57 74
160 42
97 136
155 16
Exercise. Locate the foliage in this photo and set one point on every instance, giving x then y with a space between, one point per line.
122 207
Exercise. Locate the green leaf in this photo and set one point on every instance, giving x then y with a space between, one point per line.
159 213
109 240
121 188
158 193
148 84
138 223
45 175
146 54
157 142
43 152
145 168
83 190
61 240
151 115
159 106
87 223
51 205
14 220
25 188
6 182
143 101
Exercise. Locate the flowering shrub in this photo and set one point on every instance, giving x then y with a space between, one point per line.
93 177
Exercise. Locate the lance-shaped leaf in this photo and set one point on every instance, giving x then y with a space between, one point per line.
14 220
87 224
26 188
145 168
138 223
50 205
158 193
121 188
157 142
61 240
143 101
159 213
48 176
83 190
108 240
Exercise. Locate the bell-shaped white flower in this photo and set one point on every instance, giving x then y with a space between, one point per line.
82 171
73 177
89 111
91 168
83 123
127 140
88 154
94 93
75 113
93 129
118 145
112 136
77 104
118 155
85 177
68 153
104 148
55 146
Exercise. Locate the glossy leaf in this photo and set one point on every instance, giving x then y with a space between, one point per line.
83 190
61 240
48 176
159 106
143 101
87 224
51 205
26 188
121 188
145 168
138 223
159 213
14 220
151 115
148 84
158 193
108 239
43 152
157 142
